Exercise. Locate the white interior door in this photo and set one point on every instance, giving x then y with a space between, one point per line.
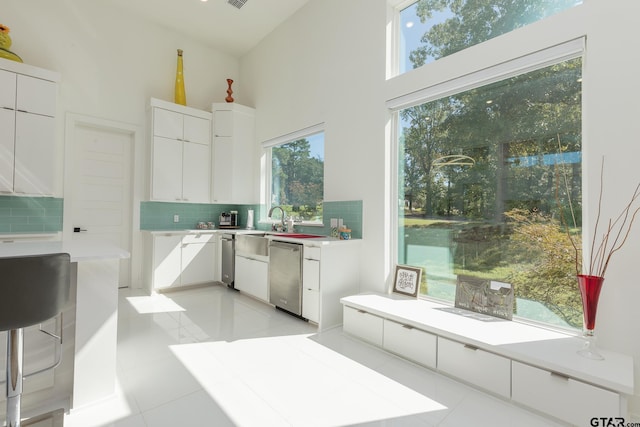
102 187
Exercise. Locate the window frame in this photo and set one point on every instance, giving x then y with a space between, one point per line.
266 170
568 50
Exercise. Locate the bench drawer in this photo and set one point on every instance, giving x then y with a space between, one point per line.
570 400
363 325
410 343
475 366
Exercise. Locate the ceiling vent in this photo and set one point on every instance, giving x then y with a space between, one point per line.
237 3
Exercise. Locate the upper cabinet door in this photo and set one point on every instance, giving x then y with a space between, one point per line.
166 178
36 96
197 130
195 173
223 123
167 124
35 168
7 133
7 89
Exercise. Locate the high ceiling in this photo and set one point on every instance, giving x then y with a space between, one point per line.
216 22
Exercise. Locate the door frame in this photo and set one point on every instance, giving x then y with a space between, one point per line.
75 120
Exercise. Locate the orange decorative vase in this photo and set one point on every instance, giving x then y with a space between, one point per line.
229 98
590 287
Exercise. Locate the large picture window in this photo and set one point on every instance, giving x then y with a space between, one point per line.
489 184
433 29
296 178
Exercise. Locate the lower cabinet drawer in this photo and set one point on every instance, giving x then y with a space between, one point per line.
410 343
311 305
564 398
364 325
478 367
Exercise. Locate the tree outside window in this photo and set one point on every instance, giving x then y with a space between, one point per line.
297 177
491 177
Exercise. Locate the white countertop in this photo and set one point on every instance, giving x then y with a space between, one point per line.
313 241
79 250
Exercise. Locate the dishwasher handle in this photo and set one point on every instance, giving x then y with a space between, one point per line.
294 247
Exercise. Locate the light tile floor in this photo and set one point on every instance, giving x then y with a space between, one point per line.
214 357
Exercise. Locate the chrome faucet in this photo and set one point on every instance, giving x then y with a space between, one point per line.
283 214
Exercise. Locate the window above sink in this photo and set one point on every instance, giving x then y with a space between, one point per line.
293 175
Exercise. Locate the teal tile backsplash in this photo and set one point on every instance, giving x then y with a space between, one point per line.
159 216
349 211
30 214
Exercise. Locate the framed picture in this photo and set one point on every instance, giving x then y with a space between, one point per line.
407 280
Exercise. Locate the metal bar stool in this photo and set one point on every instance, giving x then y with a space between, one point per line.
33 289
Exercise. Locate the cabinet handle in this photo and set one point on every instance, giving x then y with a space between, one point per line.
362 311
559 375
408 327
471 347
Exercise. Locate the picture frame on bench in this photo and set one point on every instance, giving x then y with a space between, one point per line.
406 280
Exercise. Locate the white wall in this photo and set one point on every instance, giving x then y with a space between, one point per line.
112 63
326 64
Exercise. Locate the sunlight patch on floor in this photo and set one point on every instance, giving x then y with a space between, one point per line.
155 303
291 379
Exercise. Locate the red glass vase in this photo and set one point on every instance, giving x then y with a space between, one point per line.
590 287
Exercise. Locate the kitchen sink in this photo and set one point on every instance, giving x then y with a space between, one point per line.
298 235
252 244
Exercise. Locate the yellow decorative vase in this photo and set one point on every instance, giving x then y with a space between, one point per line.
180 96
5 44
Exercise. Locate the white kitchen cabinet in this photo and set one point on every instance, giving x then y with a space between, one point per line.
561 396
167 261
179 259
180 153
197 256
311 284
7 147
167 169
235 159
196 158
27 119
311 289
36 95
8 83
34 153
329 272
410 343
475 366
252 277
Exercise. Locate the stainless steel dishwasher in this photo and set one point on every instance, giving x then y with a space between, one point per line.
285 276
